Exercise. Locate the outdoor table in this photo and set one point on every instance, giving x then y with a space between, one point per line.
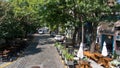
84 64
99 57
87 53
98 54
107 59
90 55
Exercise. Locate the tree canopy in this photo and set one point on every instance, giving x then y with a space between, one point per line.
20 17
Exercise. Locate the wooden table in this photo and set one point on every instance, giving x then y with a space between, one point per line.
90 55
84 64
107 59
99 57
87 53
97 54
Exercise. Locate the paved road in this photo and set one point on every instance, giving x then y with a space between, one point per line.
40 53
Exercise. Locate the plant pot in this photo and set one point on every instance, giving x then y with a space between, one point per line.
62 56
58 49
60 52
69 62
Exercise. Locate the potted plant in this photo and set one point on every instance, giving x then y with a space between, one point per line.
61 49
64 51
69 59
57 45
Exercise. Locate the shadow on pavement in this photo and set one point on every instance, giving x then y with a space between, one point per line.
39 40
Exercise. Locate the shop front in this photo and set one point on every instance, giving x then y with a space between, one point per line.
109 39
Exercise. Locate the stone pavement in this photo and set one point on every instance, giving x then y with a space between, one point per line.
40 53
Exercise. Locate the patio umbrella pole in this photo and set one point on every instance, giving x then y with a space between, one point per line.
82 33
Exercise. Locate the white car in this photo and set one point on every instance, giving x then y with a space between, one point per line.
59 38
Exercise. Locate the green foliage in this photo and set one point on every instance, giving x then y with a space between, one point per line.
24 16
69 56
17 17
115 55
9 27
56 44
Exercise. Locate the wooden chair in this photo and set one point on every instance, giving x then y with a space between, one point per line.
104 61
84 64
97 47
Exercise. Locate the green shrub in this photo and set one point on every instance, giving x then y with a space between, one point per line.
114 55
56 44
69 56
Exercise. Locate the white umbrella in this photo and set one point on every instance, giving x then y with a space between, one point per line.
96 41
104 50
80 51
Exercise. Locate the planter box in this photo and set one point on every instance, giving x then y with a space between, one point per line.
58 49
69 62
62 56
60 52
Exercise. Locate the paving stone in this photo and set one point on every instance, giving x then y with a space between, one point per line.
37 54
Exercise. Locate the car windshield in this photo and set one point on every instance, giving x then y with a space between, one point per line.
58 35
40 30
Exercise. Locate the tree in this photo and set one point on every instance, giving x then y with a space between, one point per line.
76 12
27 13
14 22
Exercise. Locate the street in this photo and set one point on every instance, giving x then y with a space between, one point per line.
41 53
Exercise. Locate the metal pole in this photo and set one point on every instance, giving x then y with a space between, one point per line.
82 32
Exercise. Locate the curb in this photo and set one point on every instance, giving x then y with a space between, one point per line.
5 64
65 66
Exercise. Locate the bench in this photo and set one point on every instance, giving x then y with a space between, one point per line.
90 55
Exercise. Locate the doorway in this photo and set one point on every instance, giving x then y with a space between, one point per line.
109 39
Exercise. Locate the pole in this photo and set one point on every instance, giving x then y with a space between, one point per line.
82 32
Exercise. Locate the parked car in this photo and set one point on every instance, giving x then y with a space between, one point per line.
53 34
41 31
59 38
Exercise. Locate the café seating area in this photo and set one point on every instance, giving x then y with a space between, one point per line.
98 58
83 64
11 52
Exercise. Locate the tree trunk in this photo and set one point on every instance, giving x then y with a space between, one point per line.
93 38
79 36
74 36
